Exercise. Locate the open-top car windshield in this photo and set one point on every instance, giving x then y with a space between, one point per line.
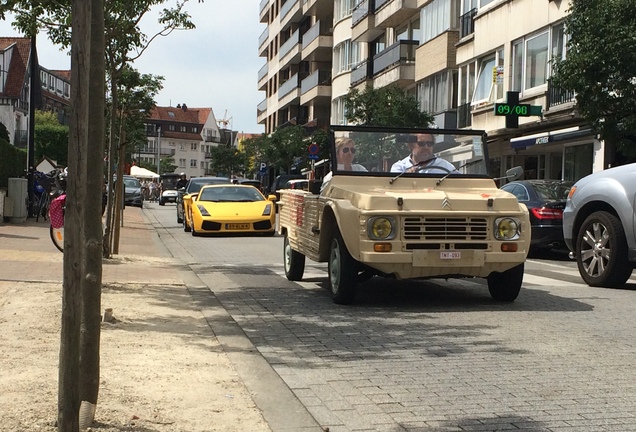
230 194
407 152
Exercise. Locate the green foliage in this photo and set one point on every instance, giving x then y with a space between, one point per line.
386 106
46 118
4 133
600 65
166 165
13 162
227 160
51 141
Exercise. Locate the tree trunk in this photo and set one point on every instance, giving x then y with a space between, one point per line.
68 392
92 233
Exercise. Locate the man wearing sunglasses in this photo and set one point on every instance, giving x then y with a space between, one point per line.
422 158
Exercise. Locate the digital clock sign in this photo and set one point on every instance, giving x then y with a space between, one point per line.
521 110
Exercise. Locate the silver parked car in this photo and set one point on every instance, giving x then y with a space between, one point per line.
599 225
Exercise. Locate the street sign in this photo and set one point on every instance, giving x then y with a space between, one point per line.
512 109
262 168
314 157
313 149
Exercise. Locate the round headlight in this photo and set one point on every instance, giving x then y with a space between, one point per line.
381 228
506 229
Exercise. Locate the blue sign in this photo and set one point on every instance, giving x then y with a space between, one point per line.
314 157
262 168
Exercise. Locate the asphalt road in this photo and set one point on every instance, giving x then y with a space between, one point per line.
428 355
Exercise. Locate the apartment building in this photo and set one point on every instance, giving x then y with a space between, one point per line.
185 134
457 57
56 93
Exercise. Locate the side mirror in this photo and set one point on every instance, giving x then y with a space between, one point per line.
514 173
271 198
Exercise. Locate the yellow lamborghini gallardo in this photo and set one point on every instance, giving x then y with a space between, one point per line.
231 208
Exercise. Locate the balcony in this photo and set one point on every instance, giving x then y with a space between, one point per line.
467 23
556 96
290 12
317 45
20 138
464 116
363 28
315 7
392 13
264 11
290 50
398 54
261 111
289 92
263 37
262 77
317 85
362 72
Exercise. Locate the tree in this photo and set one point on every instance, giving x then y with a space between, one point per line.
51 138
227 160
385 106
599 67
166 165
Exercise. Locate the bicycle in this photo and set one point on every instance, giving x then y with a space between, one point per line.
43 186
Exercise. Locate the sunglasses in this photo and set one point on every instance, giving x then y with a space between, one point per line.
349 149
425 143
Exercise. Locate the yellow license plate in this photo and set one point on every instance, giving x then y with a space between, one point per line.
237 226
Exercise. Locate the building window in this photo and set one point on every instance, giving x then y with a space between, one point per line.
202 166
171 127
437 17
531 57
182 163
67 90
182 129
182 147
486 87
436 93
468 5
338 111
195 129
345 55
193 146
342 9
193 163
409 31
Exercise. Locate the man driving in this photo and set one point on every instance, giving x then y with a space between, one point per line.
422 158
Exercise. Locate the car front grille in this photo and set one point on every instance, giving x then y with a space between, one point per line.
444 228
211 226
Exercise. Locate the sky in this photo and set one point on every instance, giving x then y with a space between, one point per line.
213 66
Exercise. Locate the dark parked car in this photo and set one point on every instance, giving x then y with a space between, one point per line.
132 191
193 186
545 200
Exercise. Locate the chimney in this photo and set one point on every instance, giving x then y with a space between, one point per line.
184 107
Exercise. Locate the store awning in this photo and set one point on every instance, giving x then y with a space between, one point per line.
548 137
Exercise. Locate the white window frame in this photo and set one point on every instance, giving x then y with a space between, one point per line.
435 93
438 17
555 48
345 55
193 163
484 79
338 111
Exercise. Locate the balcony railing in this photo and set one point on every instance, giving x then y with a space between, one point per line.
286 7
557 96
467 23
20 138
262 73
379 3
464 117
361 72
263 37
288 86
401 52
317 78
312 34
262 106
263 5
362 10
289 44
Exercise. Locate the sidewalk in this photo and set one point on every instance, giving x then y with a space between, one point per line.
162 366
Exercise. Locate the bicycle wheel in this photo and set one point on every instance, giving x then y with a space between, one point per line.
41 206
57 236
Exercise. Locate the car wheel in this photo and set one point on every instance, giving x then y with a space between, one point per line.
186 227
179 218
161 202
294 262
505 286
601 251
343 274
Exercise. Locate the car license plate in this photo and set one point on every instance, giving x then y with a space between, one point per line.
450 255
237 226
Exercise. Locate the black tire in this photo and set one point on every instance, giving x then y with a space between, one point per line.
601 251
186 227
179 219
343 273
294 262
505 286
161 202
